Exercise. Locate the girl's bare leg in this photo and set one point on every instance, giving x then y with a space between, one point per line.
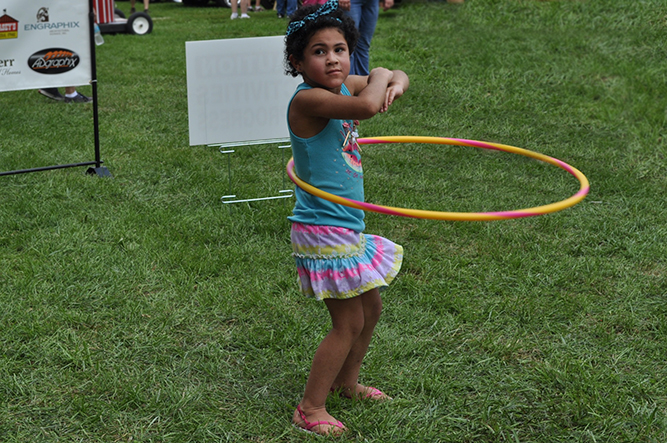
348 376
347 318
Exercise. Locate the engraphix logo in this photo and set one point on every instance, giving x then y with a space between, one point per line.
43 15
56 26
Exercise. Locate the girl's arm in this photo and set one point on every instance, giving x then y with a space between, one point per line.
311 109
399 84
366 99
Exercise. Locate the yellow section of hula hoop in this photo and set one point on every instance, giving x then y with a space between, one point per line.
457 216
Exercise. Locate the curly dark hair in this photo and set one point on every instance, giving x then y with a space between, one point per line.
296 42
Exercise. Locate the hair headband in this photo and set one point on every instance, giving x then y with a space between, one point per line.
327 8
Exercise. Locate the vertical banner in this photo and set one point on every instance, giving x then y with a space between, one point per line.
237 90
44 43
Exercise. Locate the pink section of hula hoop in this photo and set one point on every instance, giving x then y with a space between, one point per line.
564 165
512 214
373 141
477 144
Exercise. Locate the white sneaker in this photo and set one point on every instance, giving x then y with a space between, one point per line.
245 16
234 15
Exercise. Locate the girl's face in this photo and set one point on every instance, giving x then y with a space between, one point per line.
326 60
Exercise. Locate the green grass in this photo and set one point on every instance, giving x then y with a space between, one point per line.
140 308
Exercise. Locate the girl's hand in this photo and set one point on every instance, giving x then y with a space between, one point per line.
394 91
380 74
344 5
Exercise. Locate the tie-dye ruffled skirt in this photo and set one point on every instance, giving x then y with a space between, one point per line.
335 262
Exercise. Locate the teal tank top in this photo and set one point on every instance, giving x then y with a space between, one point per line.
330 161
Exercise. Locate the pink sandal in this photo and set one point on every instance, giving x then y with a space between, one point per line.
376 394
310 425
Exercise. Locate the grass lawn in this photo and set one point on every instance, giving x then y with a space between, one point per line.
140 308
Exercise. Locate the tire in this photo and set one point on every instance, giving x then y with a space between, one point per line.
139 23
118 13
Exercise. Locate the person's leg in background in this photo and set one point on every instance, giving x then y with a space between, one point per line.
71 96
365 16
291 7
281 8
132 8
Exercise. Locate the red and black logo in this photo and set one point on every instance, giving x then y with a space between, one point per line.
53 61
9 26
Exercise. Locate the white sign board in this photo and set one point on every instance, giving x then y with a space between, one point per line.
237 90
44 43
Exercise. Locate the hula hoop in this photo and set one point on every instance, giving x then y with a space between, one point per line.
456 216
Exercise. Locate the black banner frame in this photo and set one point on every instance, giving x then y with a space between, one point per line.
95 167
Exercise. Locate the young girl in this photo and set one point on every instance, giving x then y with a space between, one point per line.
335 261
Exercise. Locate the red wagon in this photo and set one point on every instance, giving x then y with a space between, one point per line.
112 20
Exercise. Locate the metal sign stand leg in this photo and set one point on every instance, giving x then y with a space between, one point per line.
231 197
